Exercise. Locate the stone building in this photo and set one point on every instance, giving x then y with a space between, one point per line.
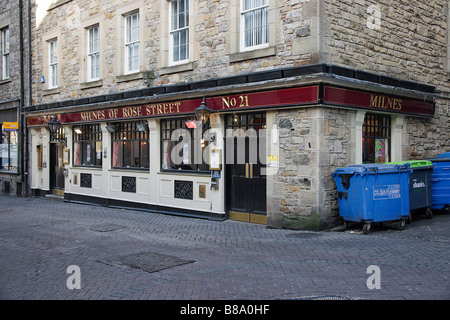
296 89
14 95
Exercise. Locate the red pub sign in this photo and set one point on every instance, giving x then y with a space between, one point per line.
298 96
376 101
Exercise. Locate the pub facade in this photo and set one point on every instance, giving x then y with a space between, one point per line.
251 137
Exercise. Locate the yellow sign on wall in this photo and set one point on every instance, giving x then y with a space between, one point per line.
10 126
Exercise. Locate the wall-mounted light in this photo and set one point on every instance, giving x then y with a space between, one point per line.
202 113
77 130
111 127
142 126
53 126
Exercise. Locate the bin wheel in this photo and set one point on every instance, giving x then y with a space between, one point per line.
366 228
401 224
409 219
429 213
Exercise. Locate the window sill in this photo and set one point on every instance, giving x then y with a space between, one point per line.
186 172
176 68
57 4
3 81
253 54
94 168
144 170
47 92
91 84
15 173
130 77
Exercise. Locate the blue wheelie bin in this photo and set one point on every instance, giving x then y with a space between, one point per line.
420 195
373 193
440 182
444 155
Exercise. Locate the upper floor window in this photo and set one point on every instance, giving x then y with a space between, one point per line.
93 55
179 31
53 63
132 43
254 24
5 53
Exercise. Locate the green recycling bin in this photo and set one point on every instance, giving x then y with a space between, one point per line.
420 199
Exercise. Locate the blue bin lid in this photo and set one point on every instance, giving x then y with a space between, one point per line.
444 155
440 159
372 168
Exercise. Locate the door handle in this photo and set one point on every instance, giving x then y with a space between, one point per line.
251 170
246 170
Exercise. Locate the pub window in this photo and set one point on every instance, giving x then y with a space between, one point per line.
182 146
9 150
130 146
376 138
87 145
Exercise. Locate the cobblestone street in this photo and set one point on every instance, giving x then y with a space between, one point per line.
131 255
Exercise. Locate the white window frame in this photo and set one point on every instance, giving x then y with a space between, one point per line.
53 63
5 53
93 53
131 44
176 31
263 24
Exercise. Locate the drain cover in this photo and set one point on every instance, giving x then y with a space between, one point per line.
304 235
106 227
149 261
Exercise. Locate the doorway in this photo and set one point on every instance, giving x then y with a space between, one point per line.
56 162
245 167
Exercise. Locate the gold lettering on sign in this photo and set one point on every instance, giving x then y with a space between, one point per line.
93 115
235 102
162 108
112 113
131 112
384 102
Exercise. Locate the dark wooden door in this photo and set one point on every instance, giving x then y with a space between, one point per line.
245 168
56 168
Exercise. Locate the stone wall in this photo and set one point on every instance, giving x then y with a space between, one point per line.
9 13
214 47
409 42
426 138
10 93
313 143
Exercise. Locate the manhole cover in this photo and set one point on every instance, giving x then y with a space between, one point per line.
303 235
149 261
106 227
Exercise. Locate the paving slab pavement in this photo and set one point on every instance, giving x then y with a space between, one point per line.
136 255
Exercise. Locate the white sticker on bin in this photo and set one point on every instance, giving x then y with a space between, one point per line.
391 191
